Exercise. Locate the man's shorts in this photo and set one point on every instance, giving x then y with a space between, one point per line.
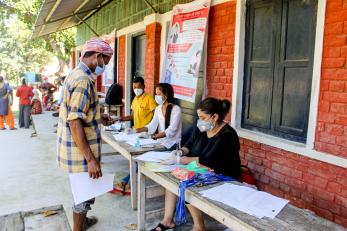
83 207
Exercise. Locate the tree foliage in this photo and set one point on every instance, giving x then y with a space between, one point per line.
19 52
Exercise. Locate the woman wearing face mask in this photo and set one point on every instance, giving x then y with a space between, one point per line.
214 144
166 119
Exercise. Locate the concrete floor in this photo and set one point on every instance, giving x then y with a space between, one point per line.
30 179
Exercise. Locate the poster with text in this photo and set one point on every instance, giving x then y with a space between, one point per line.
184 49
108 75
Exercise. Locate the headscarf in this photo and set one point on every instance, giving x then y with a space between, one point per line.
97 45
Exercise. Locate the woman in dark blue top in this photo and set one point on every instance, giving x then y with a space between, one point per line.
214 144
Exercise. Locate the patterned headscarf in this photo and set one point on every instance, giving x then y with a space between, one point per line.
97 45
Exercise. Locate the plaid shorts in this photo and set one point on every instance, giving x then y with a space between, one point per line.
83 207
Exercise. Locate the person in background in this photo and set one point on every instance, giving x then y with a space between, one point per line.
213 144
24 92
143 105
142 108
36 106
78 134
6 98
167 119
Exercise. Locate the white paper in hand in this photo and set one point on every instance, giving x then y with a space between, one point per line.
84 188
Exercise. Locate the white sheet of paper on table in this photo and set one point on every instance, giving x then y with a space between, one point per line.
246 199
131 139
84 188
156 157
157 167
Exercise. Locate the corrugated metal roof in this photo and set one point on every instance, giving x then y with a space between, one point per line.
57 15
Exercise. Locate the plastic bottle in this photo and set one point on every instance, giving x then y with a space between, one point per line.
137 143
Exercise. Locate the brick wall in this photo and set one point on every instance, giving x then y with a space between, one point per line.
152 62
331 133
220 51
306 182
121 64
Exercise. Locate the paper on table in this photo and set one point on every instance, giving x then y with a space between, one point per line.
122 136
143 142
84 188
156 167
152 156
132 139
246 199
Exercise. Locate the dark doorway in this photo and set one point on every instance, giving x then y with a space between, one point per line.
138 59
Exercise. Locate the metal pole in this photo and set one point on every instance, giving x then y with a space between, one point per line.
150 5
87 25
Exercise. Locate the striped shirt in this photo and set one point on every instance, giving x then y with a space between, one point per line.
79 101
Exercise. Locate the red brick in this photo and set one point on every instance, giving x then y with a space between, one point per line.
341 74
324 106
341 140
334 187
334 5
333 62
334 129
274 175
336 16
324 85
340 220
320 193
322 212
326 117
307 197
337 86
344 49
327 137
334 28
334 208
341 200
341 119
320 182
338 108
337 97
335 40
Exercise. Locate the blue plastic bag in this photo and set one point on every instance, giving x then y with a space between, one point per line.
201 179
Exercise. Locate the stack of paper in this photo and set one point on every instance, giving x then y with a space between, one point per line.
156 157
133 138
246 199
156 167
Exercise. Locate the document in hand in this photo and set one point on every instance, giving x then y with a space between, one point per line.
156 157
246 199
84 188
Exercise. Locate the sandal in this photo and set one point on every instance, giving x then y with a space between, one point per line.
89 222
120 188
162 227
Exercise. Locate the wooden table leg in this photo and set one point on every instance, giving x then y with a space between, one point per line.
141 201
133 184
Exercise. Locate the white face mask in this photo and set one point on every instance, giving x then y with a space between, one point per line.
159 99
205 125
138 91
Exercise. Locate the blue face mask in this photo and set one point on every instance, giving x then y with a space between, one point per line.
100 69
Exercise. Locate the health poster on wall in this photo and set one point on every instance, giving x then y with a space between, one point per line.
108 75
184 49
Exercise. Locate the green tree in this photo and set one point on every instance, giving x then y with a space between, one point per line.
18 51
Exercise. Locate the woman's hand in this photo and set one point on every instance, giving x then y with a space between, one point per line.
187 160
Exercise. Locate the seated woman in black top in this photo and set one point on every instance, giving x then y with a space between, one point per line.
214 144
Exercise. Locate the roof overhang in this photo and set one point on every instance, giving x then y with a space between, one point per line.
57 15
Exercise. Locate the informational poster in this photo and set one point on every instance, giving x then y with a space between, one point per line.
184 49
108 75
